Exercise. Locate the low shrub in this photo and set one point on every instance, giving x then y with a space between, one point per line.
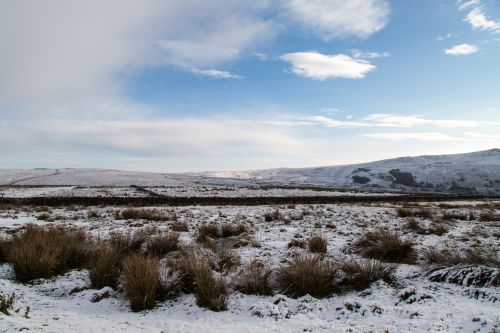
207 230
359 275
317 244
129 242
211 292
140 280
404 212
489 217
385 246
307 274
253 279
486 256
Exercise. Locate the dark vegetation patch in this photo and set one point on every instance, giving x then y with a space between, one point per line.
403 178
385 246
360 179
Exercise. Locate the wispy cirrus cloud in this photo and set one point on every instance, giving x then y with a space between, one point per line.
397 121
478 20
419 136
317 66
462 49
339 18
216 74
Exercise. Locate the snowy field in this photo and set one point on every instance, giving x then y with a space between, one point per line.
193 190
411 303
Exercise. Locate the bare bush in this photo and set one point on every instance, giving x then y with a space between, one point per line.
317 244
307 274
385 246
253 278
233 229
140 280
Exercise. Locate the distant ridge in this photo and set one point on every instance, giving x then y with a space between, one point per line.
470 173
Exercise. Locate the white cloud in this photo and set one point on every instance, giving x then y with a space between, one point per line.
430 136
462 49
167 137
329 122
54 52
482 136
369 55
466 4
339 18
214 73
314 65
398 121
478 20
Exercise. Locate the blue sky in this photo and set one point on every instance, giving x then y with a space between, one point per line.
224 85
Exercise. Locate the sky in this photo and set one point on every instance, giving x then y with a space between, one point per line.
190 85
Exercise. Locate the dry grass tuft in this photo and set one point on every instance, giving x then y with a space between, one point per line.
7 303
296 243
211 292
179 227
142 214
272 216
105 267
486 256
307 274
44 252
162 244
130 242
253 279
233 229
358 275
385 246
228 259
169 283
317 244
140 281
489 216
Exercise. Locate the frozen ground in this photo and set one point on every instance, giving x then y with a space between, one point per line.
430 306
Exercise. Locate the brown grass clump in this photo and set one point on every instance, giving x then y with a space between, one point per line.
358 275
129 242
404 212
385 246
4 248
207 230
486 256
317 244
307 274
253 279
228 259
186 262
140 280
450 216
105 267
44 252
296 243
489 216
233 229
142 214
211 292
179 227
272 216
414 225
162 244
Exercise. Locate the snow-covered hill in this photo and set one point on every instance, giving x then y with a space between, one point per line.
470 173
477 172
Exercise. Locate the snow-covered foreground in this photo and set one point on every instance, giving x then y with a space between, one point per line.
413 304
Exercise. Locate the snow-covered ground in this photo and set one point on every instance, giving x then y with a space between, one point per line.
430 307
